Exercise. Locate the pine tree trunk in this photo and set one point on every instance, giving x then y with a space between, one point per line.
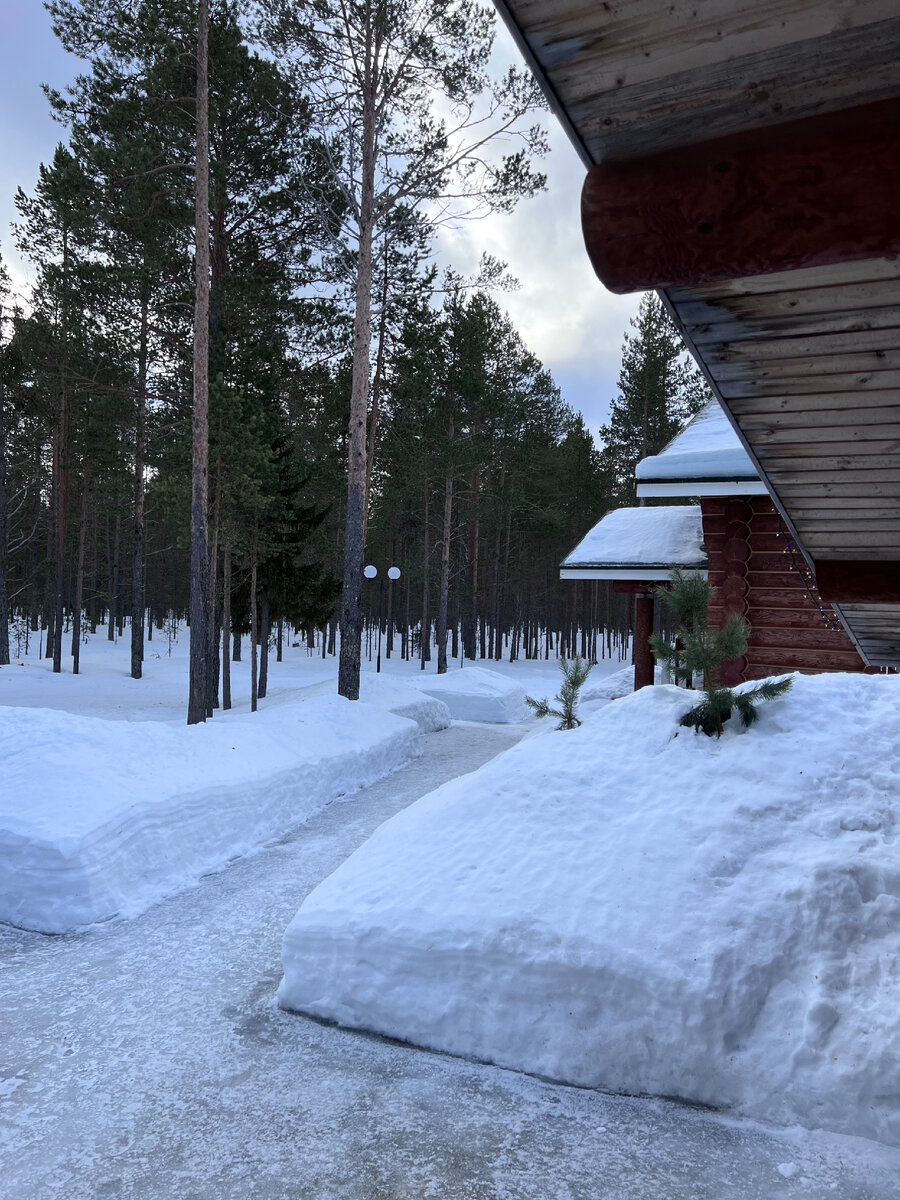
254 643
354 544
4 538
137 559
404 642
236 648
425 639
62 471
79 576
279 640
376 393
445 569
199 601
470 618
226 629
263 650
212 662
95 575
389 620
59 532
114 582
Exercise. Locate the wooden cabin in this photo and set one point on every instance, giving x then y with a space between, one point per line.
736 536
744 160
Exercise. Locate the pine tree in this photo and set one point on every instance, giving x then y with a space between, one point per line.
4 495
575 675
374 70
697 649
659 390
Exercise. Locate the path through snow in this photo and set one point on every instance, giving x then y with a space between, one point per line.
148 1059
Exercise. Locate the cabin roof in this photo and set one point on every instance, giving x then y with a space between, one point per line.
705 459
744 161
639 544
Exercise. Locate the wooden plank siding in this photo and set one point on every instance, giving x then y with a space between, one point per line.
788 632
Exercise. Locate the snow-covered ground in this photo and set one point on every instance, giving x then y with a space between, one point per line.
147 1060
478 694
634 907
99 819
105 689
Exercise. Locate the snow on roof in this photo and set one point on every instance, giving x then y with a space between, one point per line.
639 543
706 450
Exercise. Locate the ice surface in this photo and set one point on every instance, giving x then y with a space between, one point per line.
643 537
477 694
707 448
638 908
102 818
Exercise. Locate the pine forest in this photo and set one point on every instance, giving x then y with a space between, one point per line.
239 376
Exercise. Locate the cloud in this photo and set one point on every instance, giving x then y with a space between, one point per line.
563 312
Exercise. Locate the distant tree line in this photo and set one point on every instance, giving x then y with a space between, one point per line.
475 477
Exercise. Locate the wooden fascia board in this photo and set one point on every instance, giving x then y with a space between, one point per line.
813 192
550 94
646 575
671 488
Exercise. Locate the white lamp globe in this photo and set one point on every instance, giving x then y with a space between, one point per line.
393 572
370 572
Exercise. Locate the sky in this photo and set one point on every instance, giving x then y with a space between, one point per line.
564 314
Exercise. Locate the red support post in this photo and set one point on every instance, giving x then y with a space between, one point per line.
643 627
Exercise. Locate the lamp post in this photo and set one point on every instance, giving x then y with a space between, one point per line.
392 573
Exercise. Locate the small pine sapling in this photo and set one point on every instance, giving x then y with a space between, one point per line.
697 649
575 674
687 599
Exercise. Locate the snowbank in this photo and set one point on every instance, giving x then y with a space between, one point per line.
635 907
477 694
394 695
102 818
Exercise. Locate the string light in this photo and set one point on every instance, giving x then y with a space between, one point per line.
809 583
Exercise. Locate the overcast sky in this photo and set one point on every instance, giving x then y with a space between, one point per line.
562 311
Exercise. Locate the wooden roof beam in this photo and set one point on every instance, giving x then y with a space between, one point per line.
851 581
807 193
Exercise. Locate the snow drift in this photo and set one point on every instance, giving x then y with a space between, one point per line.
477 694
394 695
638 908
103 818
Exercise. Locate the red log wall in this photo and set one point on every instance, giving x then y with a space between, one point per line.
753 576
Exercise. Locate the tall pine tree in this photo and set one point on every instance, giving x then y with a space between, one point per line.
660 389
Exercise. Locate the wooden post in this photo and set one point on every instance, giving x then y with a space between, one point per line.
643 628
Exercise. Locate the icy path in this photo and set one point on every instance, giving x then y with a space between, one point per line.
148 1059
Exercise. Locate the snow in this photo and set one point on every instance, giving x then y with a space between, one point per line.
110 817
643 538
147 1058
394 695
706 449
109 802
638 908
478 694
